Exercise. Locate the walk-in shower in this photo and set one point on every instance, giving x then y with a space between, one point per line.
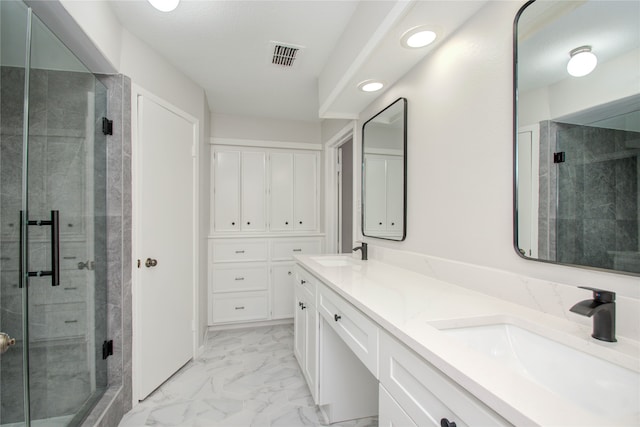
53 296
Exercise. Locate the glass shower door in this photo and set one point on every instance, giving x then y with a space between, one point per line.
57 312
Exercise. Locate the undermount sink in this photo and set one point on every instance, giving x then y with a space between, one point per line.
333 261
592 383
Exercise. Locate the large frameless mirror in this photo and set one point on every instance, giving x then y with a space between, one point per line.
384 167
577 133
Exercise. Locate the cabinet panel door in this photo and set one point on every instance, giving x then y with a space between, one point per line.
305 200
254 191
281 173
282 288
375 197
299 329
226 183
395 198
311 350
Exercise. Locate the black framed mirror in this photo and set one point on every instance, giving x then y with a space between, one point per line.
384 173
577 133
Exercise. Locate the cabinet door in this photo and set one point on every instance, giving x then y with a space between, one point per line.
311 350
299 330
305 199
395 198
282 285
226 184
282 182
375 197
254 191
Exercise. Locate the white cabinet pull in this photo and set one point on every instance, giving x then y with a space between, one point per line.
239 278
240 308
239 252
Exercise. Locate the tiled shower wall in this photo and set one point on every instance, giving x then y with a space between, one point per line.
589 203
117 400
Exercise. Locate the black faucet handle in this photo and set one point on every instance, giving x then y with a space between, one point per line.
601 295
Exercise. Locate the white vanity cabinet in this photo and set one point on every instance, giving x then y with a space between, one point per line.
239 189
305 325
362 368
294 186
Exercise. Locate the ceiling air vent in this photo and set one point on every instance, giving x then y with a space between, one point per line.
284 55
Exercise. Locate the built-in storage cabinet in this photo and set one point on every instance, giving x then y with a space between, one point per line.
265 210
240 190
252 279
384 204
306 329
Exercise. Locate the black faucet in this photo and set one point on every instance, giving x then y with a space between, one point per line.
363 249
603 309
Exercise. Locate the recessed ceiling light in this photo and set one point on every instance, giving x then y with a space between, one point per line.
418 37
370 85
164 5
582 61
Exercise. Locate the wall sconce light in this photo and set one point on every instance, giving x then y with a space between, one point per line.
582 61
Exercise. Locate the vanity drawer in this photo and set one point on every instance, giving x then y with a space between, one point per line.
357 331
426 394
240 277
306 283
285 249
240 306
239 250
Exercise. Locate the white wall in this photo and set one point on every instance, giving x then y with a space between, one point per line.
460 139
242 127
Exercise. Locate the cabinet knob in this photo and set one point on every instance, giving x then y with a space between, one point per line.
393 223
304 306
300 304
300 222
380 223
248 223
289 273
233 223
337 317
446 423
302 281
286 223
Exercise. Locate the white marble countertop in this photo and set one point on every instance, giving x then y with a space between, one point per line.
408 305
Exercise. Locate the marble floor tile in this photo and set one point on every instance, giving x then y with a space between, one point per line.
245 378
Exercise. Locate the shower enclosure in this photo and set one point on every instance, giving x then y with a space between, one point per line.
53 298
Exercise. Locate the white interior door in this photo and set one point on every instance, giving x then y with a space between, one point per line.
164 221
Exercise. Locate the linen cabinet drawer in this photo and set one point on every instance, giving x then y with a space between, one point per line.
357 331
239 250
306 283
241 306
240 277
284 250
425 393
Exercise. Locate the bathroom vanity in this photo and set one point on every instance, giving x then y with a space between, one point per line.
373 338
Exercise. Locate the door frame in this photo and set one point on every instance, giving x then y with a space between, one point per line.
137 91
331 220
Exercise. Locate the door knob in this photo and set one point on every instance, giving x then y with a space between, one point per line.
151 262
5 342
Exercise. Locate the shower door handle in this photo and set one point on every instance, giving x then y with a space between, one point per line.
54 222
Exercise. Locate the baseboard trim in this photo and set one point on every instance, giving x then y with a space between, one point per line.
250 324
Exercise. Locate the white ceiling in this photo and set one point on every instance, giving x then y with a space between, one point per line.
223 46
